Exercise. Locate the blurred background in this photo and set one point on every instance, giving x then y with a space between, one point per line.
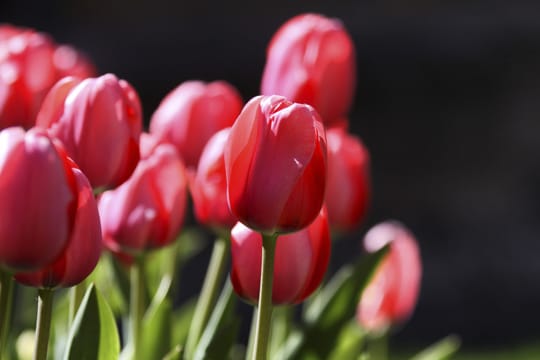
448 103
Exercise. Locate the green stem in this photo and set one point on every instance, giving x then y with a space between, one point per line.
280 329
252 331
264 308
378 347
76 294
6 299
43 323
208 295
137 304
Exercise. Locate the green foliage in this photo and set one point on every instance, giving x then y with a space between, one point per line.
441 350
220 332
93 334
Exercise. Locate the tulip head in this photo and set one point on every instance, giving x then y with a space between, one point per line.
194 111
311 59
300 262
81 255
275 161
30 64
39 199
147 210
99 121
391 296
348 183
209 185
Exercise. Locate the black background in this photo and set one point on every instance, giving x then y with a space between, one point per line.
448 103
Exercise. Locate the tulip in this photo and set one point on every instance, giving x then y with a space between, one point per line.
80 256
147 210
275 162
99 121
30 64
348 182
391 296
194 111
39 199
311 59
301 260
209 185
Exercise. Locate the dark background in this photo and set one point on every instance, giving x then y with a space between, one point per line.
447 103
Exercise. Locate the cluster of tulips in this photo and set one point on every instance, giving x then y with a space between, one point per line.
92 202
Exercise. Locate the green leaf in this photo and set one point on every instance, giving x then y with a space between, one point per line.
93 334
156 337
112 280
335 305
174 354
220 332
181 320
442 350
349 343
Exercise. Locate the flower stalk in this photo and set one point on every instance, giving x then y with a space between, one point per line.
137 304
43 322
264 308
6 299
209 292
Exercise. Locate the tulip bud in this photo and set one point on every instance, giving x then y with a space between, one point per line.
311 59
275 161
30 64
348 182
39 199
190 114
83 250
391 296
300 262
209 185
99 121
148 209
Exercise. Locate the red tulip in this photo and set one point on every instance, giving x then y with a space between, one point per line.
82 253
148 209
311 59
99 121
190 114
300 262
30 64
275 160
209 185
348 182
391 295
39 199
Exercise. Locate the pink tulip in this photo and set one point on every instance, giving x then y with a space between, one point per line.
39 199
348 182
81 255
301 260
311 59
275 160
209 185
148 209
30 64
392 294
99 121
194 111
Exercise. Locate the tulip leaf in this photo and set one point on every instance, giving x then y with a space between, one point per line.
442 350
174 354
156 337
334 306
93 334
112 281
181 320
220 332
349 343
